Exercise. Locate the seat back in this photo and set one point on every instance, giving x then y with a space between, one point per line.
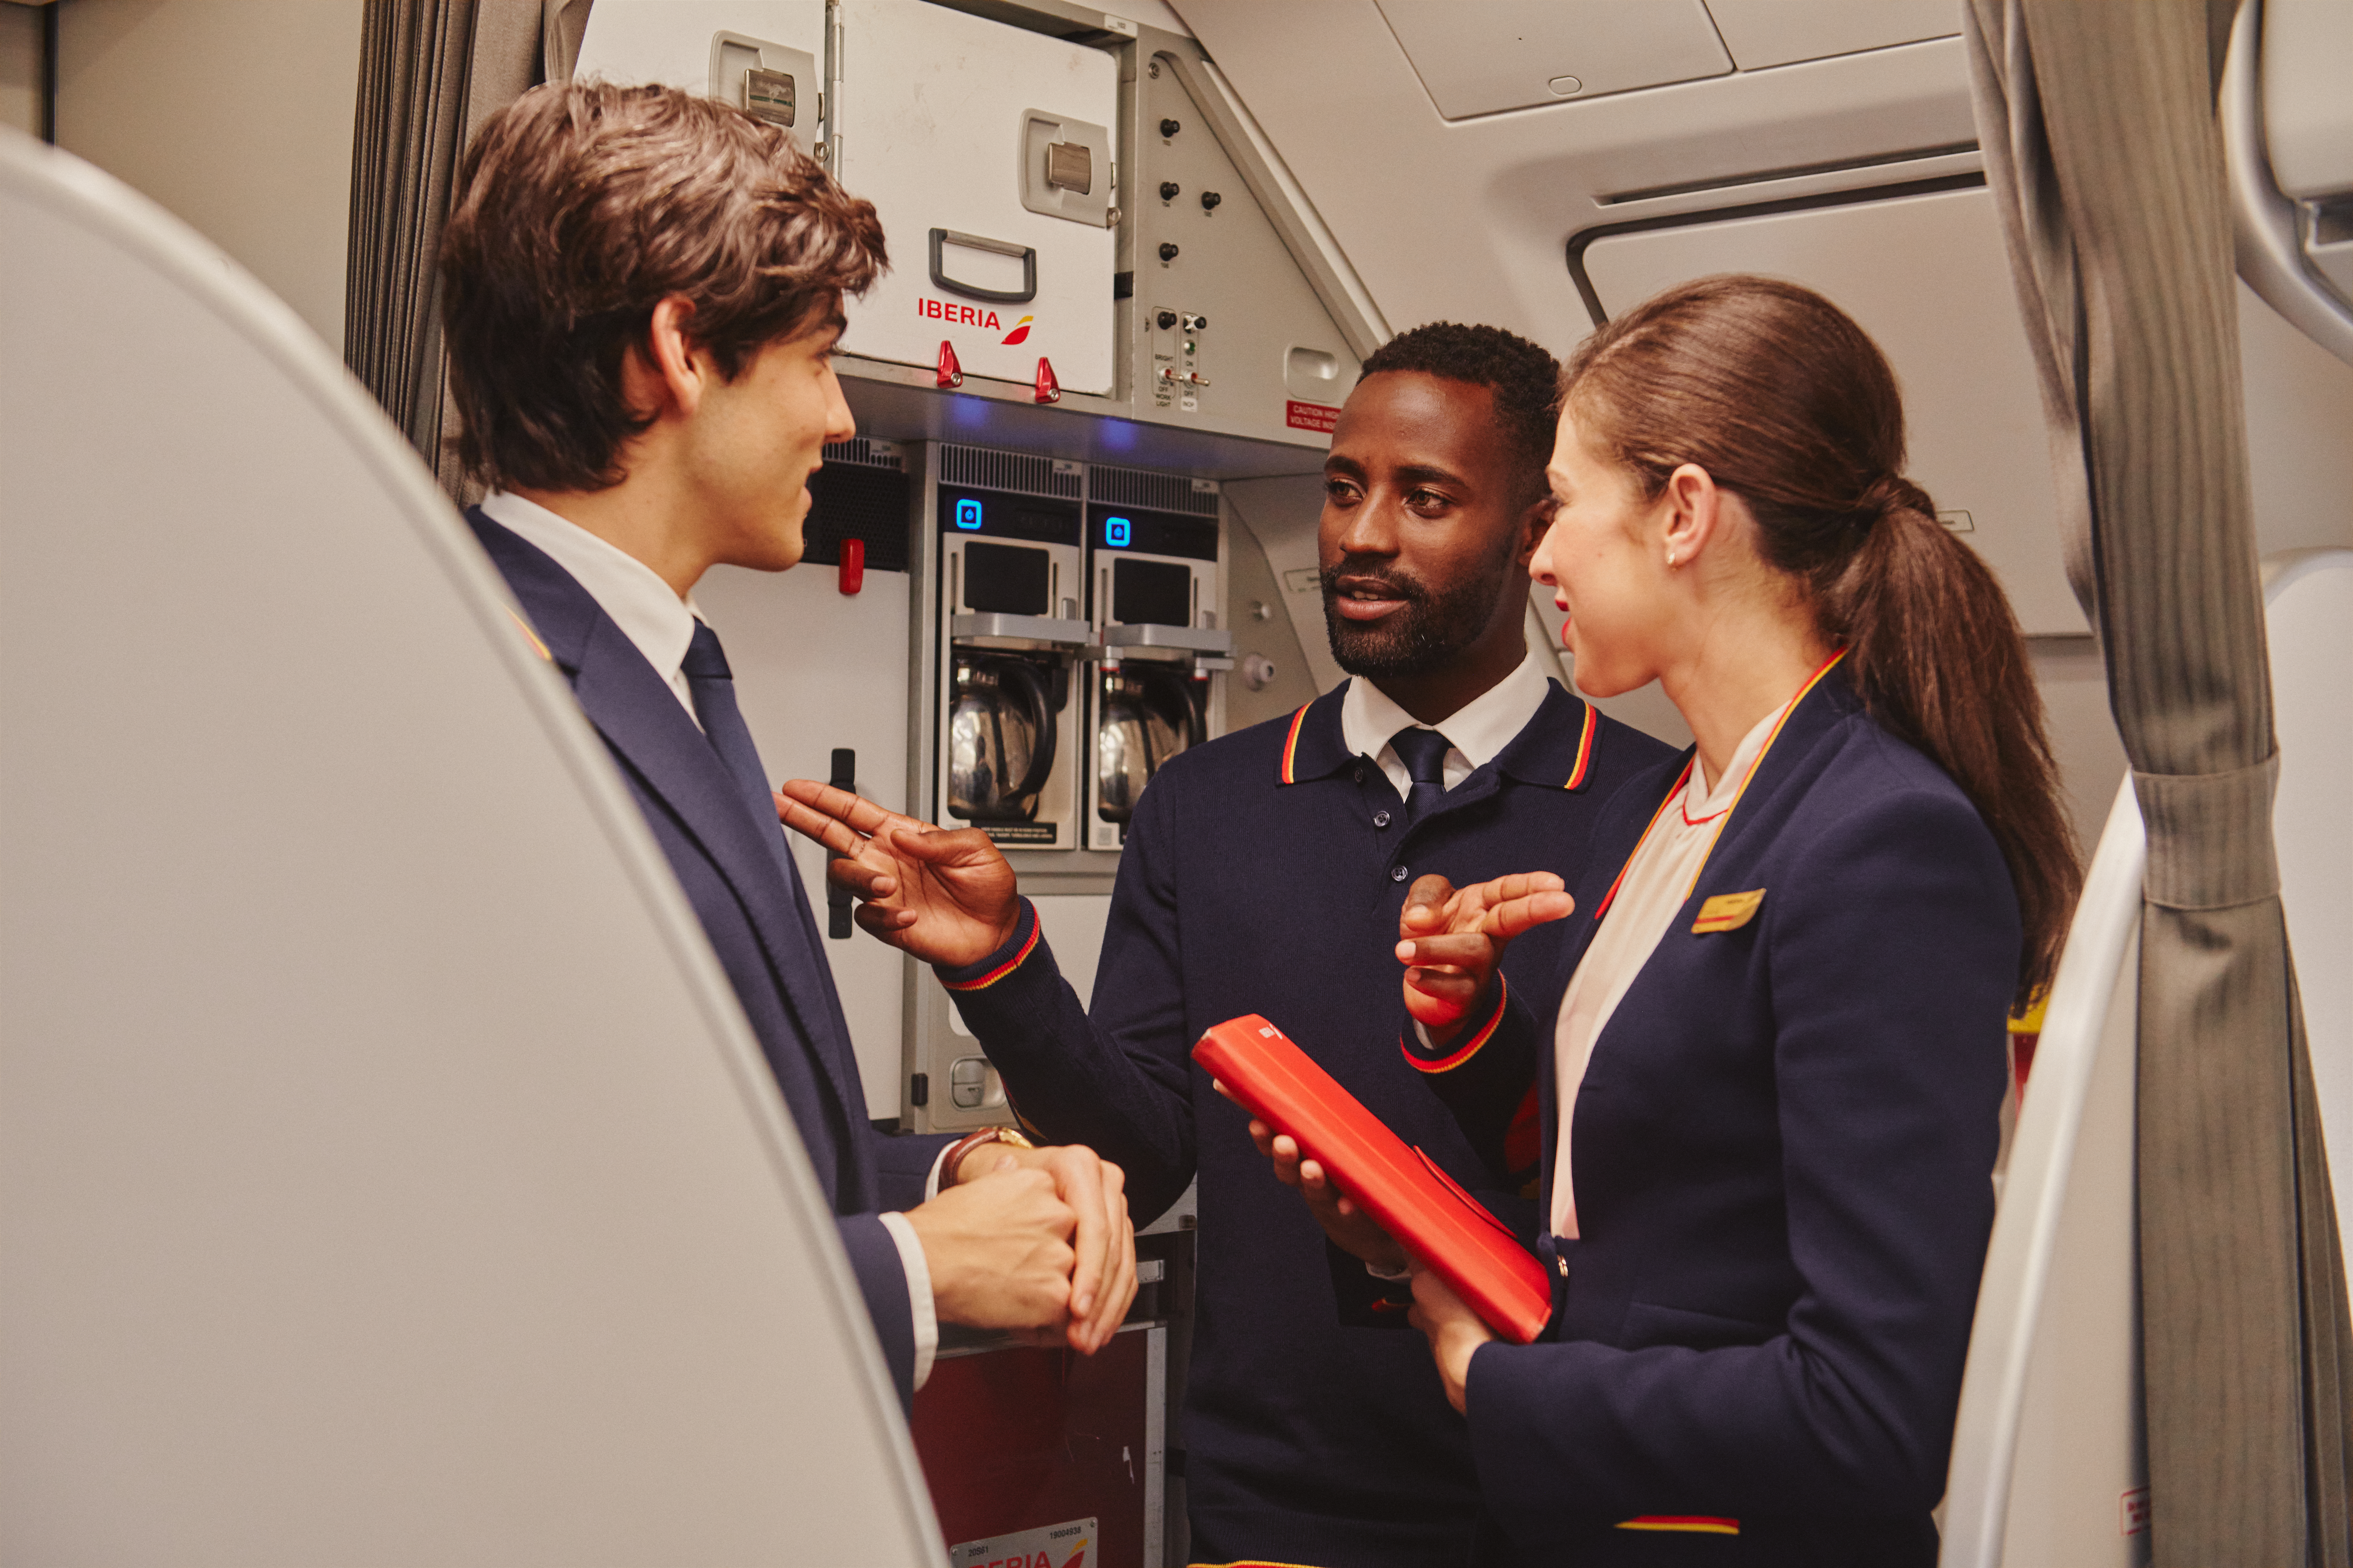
2046 1453
2047 1456
2308 615
387 1172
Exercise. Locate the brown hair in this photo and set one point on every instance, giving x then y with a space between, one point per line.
1788 404
580 207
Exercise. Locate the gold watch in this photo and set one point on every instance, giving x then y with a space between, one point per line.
971 1140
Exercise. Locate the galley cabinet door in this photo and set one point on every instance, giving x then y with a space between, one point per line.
706 46
942 113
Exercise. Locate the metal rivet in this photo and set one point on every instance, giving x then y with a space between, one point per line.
1397 873
1380 819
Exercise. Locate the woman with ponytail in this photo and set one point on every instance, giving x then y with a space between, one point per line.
1782 1046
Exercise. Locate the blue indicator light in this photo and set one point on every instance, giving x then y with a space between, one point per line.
968 515
1117 531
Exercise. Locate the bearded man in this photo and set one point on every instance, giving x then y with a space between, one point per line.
1266 872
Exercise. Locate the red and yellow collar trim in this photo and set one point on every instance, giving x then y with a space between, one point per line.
1291 745
1676 794
1584 749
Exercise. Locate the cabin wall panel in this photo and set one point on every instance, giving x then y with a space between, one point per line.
235 115
20 67
2299 414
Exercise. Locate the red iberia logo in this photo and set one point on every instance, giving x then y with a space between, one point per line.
973 316
961 315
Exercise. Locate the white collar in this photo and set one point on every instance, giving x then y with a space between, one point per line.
649 613
1479 728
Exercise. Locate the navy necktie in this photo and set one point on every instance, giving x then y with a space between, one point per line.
713 685
1423 752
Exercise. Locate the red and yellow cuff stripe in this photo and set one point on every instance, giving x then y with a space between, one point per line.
1021 956
1468 1047
1697 1525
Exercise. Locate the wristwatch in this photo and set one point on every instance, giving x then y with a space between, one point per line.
971 1140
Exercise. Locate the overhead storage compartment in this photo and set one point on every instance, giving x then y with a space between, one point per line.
988 150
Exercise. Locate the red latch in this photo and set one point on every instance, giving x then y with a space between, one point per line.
1049 389
853 565
951 373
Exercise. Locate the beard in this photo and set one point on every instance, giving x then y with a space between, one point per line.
1433 628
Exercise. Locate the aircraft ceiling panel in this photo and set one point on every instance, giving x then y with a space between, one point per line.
1468 219
1515 54
1762 32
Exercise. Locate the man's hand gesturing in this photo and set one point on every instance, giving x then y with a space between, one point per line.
1451 940
944 896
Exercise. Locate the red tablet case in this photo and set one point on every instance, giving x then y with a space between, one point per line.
1398 1185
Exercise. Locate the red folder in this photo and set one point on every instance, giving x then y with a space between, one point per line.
1398 1185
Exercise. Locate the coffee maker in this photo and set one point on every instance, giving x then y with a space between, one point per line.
1011 589
1154 577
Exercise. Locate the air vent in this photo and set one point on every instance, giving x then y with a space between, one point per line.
866 500
1016 472
866 453
1790 172
1153 492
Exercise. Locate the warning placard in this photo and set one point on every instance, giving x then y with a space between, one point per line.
1310 415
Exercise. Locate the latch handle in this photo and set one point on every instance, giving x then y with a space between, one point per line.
942 237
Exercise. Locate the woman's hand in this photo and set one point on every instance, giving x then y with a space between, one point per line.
1455 1332
1352 1230
945 896
1451 941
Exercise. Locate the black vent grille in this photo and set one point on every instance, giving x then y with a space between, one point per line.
1153 492
1018 472
847 501
866 453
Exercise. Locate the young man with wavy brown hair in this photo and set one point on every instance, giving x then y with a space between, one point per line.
642 292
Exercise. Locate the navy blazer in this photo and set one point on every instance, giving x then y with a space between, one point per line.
740 878
1784 1147
1264 873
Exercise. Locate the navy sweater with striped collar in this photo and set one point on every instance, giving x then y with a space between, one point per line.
1264 873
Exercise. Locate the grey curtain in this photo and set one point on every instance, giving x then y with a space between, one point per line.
2100 149
430 72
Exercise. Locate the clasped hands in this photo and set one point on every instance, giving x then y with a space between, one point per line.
1033 1240
1450 941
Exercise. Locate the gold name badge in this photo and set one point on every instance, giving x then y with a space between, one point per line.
1728 911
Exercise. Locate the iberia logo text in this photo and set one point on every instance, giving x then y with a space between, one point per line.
973 316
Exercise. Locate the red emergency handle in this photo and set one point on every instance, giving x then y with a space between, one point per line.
853 565
951 373
1049 389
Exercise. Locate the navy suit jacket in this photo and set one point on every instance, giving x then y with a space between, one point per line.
741 879
1783 1145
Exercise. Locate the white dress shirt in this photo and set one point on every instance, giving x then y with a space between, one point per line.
1657 881
660 624
1474 732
